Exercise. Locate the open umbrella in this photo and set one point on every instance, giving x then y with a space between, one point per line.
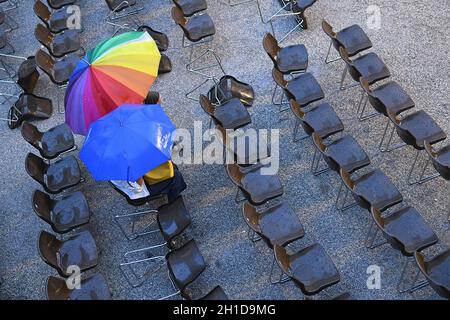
128 142
119 70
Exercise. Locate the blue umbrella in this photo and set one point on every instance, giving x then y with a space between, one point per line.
128 142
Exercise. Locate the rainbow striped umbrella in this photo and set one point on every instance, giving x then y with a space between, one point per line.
119 70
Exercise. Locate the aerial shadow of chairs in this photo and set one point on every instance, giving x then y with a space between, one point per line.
406 231
414 129
435 271
93 287
311 268
58 4
342 153
56 20
6 48
321 119
184 266
353 39
58 71
54 177
123 8
290 8
61 44
51 144
373 189
289 60
277 224
8 20
78 250
29 107
198 30
191 7
244 148
388 97
230 115
228 87
258 188
303 88
64 214
370 67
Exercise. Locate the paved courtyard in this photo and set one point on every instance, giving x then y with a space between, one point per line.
413 41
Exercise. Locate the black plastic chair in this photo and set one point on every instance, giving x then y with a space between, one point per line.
414 129
123 8
304 88
343 153
94 287
216 294
58 45
55 177
27 107
228 87
63 215
56 21
440 159
352 38
405 230
436 272
79 250
191 7
59 71
373 189
321 119
58 4
52 143
257 188
28 75
311 268
161 39
165 65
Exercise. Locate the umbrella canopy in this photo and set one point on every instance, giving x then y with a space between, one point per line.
119 70
128 142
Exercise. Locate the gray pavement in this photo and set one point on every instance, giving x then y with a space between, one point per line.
413 41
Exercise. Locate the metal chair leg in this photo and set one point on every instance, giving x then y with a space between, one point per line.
236 198
422 178
328 55
362 108
296 130
133 235
233 4
13 4
282 278
413 286
343 206
388 147
252 235
315 164
344 75
371 236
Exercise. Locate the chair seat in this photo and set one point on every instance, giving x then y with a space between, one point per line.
302 4
161 39
93 288
313 269
229 87
292 58
378 190
443 157
323 120
348 154
261 188
80 250
70 212
354 39
305 89
216 294
66 42
232 114
63 174
281 225
393 97
57 140
438 269
64 68
199 27
57 4
191 7
422 127
58 20
409 228
371 67
185 264
173 219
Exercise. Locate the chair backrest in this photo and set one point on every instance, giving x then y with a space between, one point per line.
283 259
43 35
45 62
278 78
41 10
442 168
42 205
296 109
206 105
318 142
251 216
439 282
178 17
57 289
328 29
235 174
270 44
27 76
345 175
377 217
31 134
152 97
48 246
36 167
